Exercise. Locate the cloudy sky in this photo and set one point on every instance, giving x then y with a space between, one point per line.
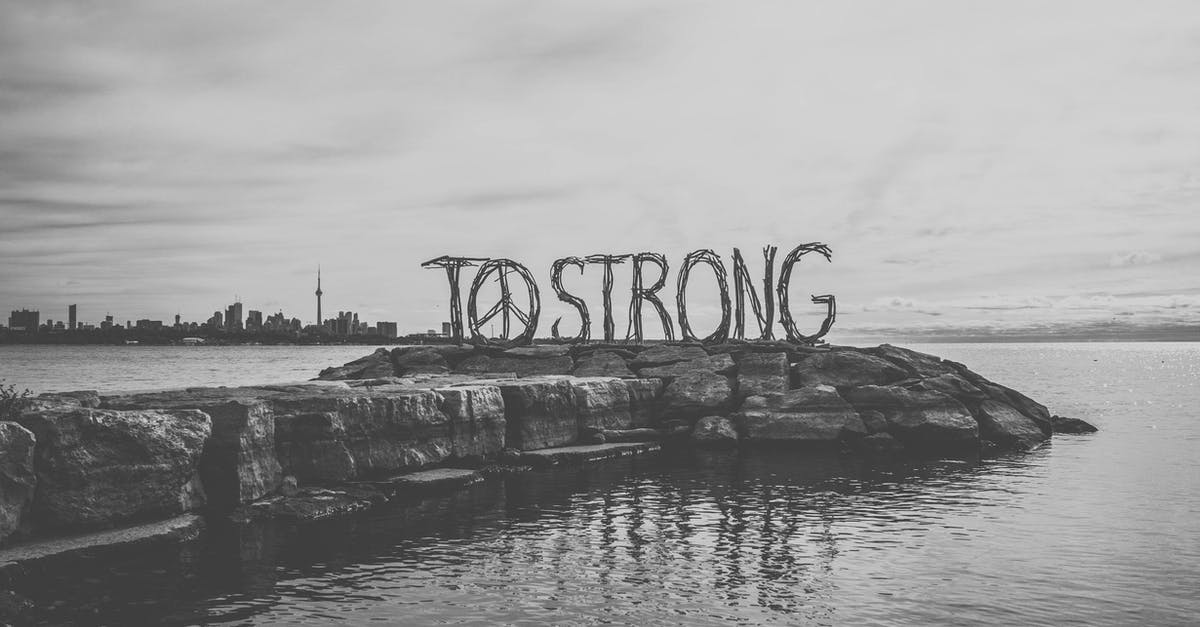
996 165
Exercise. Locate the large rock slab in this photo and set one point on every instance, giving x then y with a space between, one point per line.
603 364
715 432
813 414
845 368
916 364
1030 408
1007 427
477 424
645 401
584 454
708 363
239 463
539 412
97 468
602 403
762 373
373 366
697 393
921 420
17 478
664 354
522 366
419 360
335 434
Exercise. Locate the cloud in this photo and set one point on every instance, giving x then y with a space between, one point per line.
1138 258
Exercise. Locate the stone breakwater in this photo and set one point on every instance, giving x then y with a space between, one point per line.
416 420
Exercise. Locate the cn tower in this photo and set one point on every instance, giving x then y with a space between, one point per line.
320 320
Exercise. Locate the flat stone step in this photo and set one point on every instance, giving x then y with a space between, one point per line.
17 560
428 482
578 455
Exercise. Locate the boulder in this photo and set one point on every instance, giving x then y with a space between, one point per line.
715 432
539 412
1071 425
522 366
419 360
664 354
335 434
477 424
951 385
1007 427
762 373
602 403
915 364
921 420
645 401
375 365
17 478
98 468
1027 406
539 351
697 393
603 364
874 421
812 414
712 364
845 368
78 398
238 464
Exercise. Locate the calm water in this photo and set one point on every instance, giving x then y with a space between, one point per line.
1098 529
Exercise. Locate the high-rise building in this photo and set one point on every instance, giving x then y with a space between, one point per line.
24 320
233 318
217 321
254 321
71 322
320 320
386 329
445 329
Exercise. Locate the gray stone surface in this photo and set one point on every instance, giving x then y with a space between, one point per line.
715 432
99 467
377 364
577 455
708 363
15 560
813 414
428 482
602 364
762 373
921 420
915 363
845 368
523 367
645 401
666 354
697 393
602 403
539 412
17 478
1007 427
239 463
334 434
477 424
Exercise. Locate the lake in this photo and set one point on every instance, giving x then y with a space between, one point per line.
1101 529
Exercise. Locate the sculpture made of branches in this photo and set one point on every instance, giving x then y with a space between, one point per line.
608 261
648 294
505 306
785 277
764 311
585 320
453 265
712 259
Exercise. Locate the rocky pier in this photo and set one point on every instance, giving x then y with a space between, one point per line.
80 471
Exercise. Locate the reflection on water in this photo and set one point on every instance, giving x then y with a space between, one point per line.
691 536
1099 529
